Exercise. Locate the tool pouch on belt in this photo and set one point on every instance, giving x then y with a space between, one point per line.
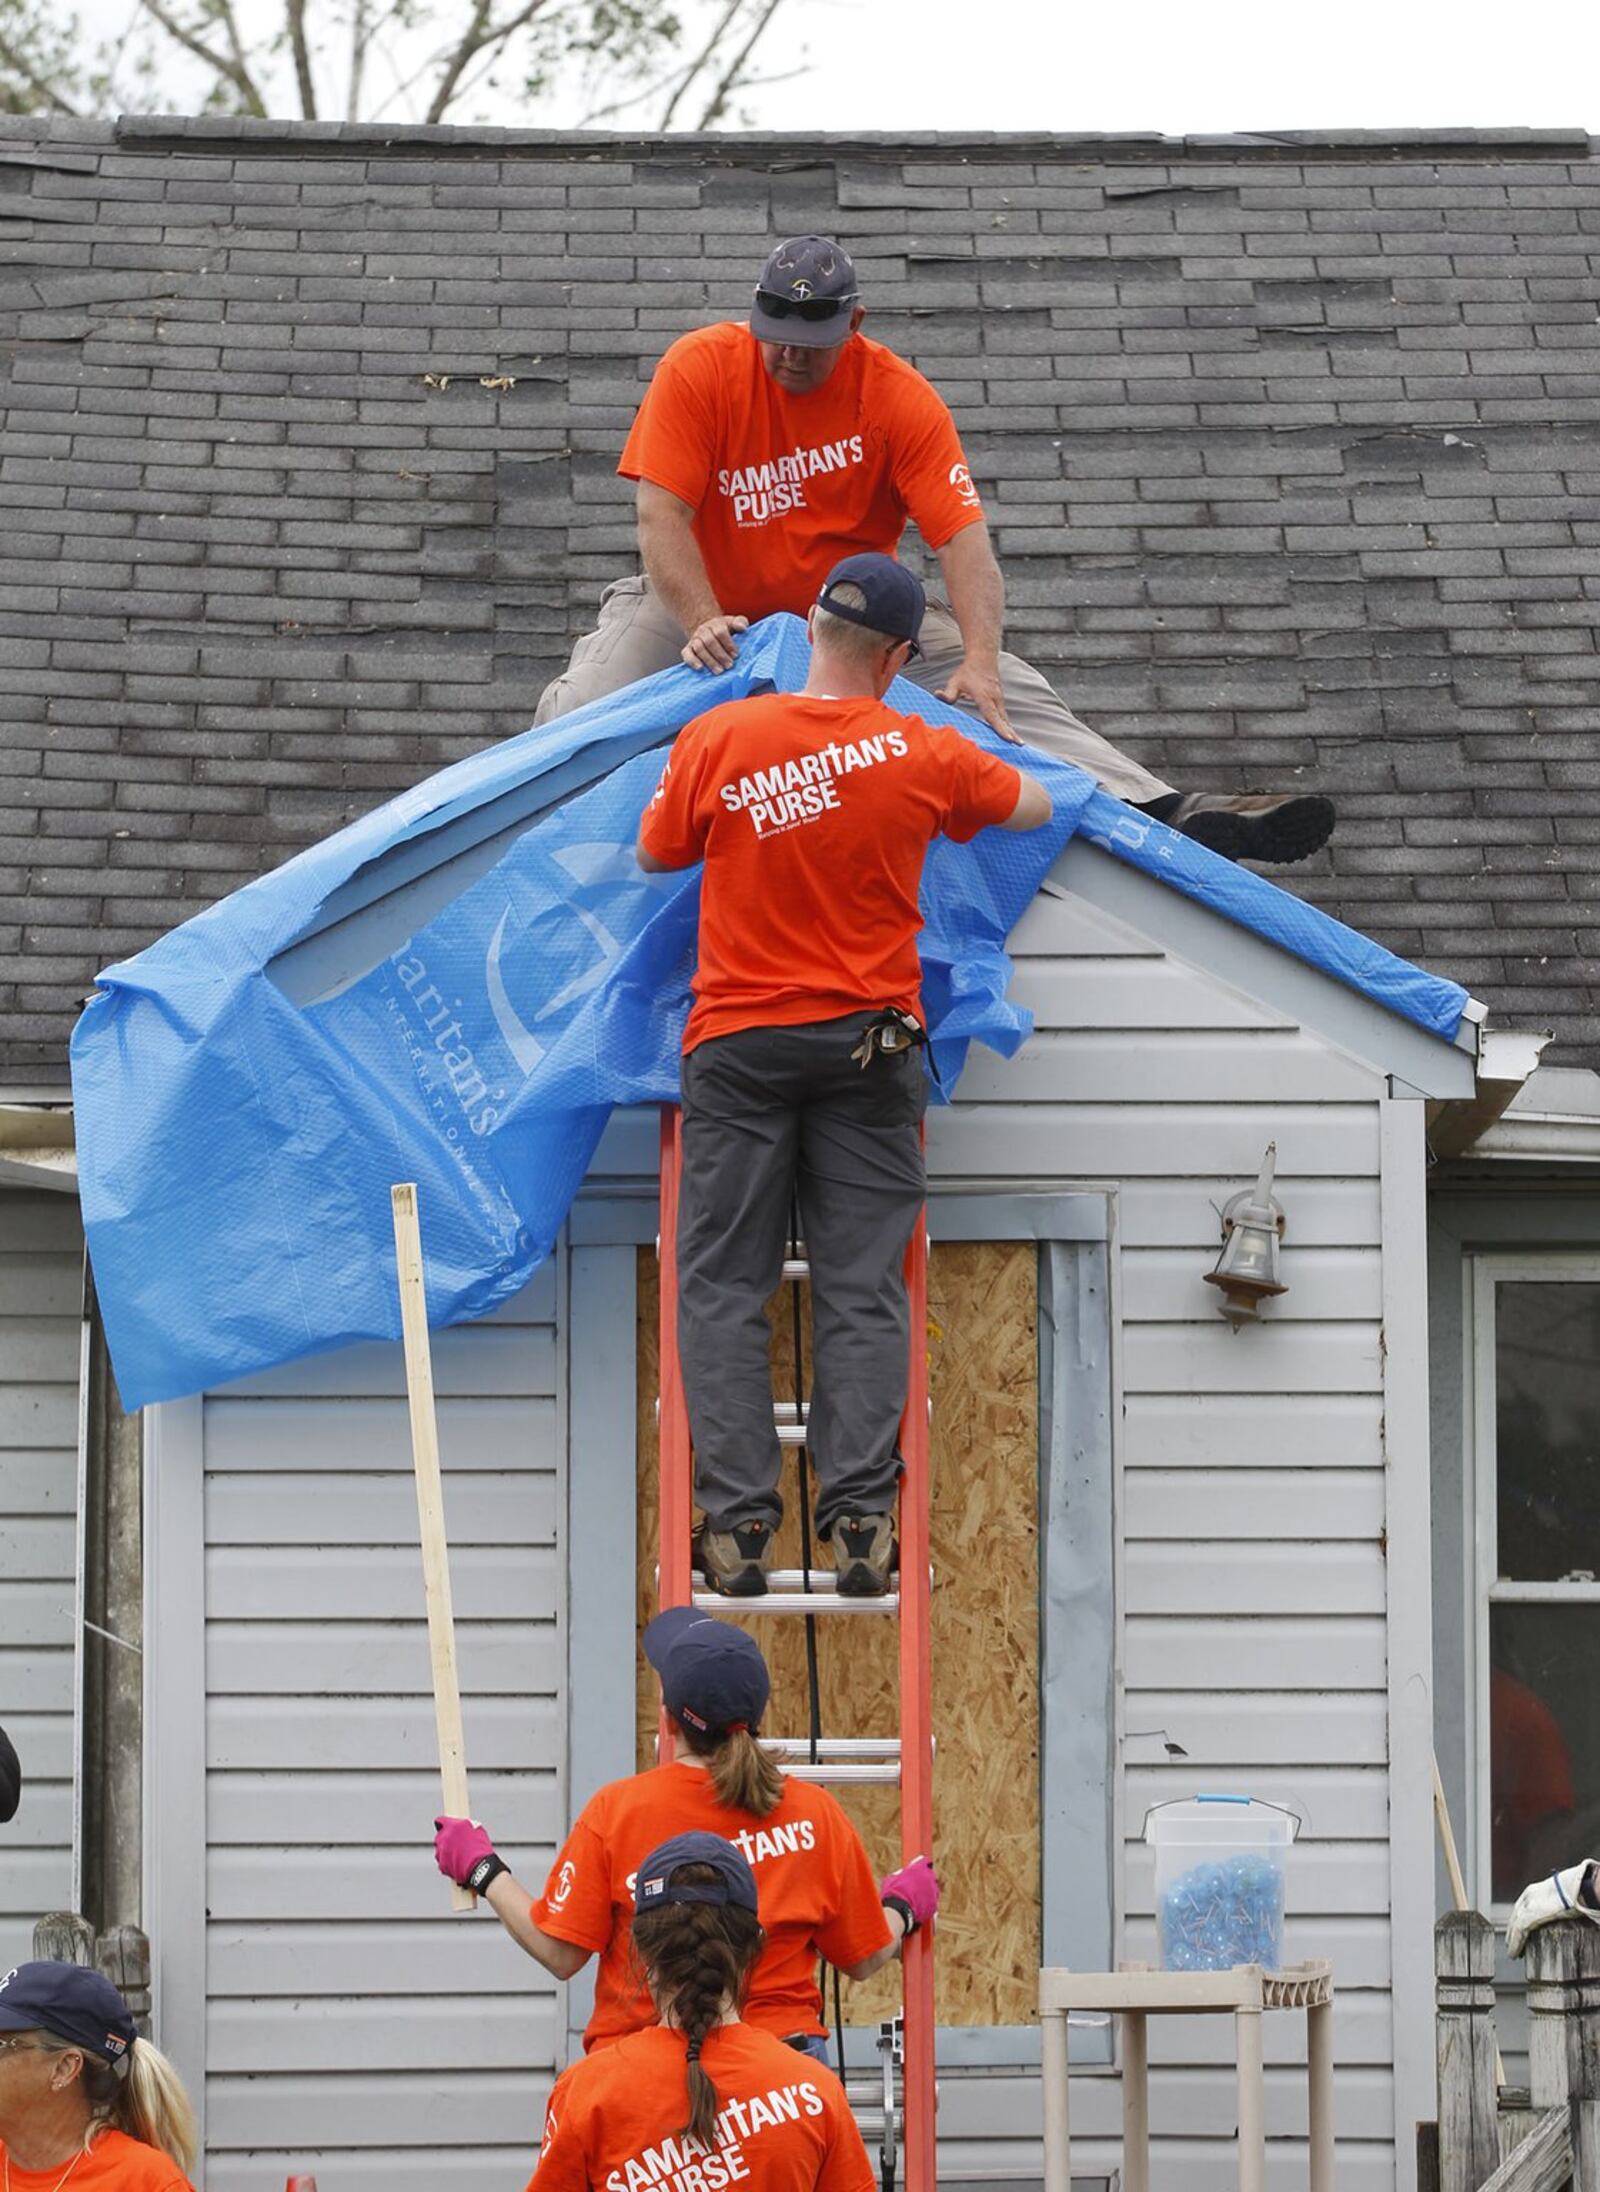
888 1035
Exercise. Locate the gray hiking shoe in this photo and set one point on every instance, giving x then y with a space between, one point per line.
735 1561
865 1555
1276 828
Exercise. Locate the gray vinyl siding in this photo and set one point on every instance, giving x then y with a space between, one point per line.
1251 1500
353 2026
41 1281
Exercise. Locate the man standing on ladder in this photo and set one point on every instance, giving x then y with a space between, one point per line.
812 812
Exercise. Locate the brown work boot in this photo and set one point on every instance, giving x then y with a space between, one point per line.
865 1555
734 1561
1272 827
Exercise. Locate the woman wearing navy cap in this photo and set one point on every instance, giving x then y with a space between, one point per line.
818 1896
701 2090
84 2102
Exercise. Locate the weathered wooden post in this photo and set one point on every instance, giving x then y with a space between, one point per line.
1579 1948
1547 1976
62 1937
1469 2137
123 1955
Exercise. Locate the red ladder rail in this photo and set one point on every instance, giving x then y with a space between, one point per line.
916 1724
675 1512
675 1587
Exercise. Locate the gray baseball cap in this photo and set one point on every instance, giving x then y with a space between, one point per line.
806 294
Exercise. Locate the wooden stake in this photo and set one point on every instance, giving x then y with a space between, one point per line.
430 1515
1447 1836
1458 1884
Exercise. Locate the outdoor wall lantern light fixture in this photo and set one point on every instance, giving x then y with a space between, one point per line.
1247 1269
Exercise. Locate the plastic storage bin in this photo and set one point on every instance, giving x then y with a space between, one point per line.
1220 1876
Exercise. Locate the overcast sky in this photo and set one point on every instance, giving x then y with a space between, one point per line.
1204 65
957 65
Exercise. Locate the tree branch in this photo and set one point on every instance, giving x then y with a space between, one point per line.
230 23
471 39
306 83
400 85
360 42
231 71
729 82
47 92
481 37
715 39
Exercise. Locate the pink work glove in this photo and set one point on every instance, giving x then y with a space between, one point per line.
914 1892
465 1854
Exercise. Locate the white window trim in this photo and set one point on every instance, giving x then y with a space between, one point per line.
1484 1587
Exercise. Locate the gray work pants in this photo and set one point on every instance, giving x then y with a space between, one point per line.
638 635
768 1112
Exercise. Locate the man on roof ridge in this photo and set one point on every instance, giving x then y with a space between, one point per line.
764 453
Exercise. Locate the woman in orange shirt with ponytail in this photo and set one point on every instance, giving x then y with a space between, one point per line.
817 1891
701 2100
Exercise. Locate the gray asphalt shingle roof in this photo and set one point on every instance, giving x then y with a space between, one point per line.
1292 452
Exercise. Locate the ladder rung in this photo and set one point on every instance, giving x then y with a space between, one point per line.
840 1758
792 1428
884 1775
837 1746
786 1593
864 2089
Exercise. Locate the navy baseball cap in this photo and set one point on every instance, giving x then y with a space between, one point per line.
806 294
656 1886
895 599
712 1674
70 2002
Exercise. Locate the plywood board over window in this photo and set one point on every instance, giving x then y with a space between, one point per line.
983 1358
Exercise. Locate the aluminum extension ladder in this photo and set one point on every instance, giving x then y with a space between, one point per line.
908 1761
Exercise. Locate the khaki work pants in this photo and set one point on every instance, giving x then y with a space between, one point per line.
637 635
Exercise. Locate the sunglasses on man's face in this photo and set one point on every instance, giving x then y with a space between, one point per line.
802 308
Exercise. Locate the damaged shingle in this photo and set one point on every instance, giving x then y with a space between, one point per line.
310 480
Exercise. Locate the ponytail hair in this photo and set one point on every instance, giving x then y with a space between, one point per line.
145 2099
744 1776
697 1958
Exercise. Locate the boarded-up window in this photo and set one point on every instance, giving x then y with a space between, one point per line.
984 1378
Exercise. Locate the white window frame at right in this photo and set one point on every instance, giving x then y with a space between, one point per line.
1484 1585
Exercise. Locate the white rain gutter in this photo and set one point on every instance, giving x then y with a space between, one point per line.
1506 1062
37 1148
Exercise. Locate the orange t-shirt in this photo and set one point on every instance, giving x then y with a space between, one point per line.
816 1890
783 2122
813 817
115 2163
783 485
1531 1776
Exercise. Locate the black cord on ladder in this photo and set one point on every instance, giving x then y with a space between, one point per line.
813 1675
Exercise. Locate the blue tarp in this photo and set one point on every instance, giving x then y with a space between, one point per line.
239 1126
1254 903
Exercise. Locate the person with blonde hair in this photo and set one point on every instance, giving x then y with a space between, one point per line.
85 2104
703 2096
817 1893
